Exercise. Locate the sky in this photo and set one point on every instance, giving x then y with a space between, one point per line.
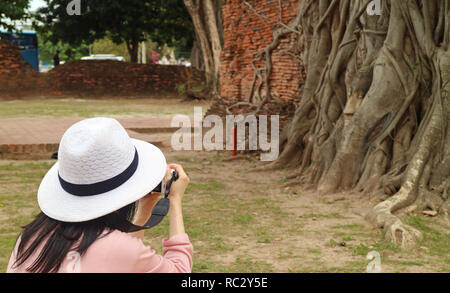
35 4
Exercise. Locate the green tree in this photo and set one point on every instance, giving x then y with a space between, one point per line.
107 46
175 28
11 10
67 52
129 22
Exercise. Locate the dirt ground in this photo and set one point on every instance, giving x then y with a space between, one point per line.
246 220
239 219
242 220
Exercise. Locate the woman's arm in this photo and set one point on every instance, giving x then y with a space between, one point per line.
146 204
176 218
144 211
176 196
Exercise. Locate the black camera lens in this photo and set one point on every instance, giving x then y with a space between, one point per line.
158 189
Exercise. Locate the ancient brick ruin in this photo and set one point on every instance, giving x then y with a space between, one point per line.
247 31
15 73
90 78
120 78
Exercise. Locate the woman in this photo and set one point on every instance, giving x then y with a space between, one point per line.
95 202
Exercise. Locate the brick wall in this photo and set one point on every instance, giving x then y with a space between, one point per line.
246 34
115 77
11 61
27 151
95 78
15 73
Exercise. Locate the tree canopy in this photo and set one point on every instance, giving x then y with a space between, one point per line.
129 22
11 10
67 52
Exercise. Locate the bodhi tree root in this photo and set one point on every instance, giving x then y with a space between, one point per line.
262 74
374 111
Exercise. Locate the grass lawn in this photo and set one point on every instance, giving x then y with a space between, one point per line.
240 221
120 107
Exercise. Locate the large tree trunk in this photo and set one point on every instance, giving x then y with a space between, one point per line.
196 55
205 20
133 47
216 46
374 113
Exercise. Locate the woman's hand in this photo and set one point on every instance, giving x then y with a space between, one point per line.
144 211
144 208
176 195
178 187
146 204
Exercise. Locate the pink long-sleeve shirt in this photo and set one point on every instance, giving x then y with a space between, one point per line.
119 252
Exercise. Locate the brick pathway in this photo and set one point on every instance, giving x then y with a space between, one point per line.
32 138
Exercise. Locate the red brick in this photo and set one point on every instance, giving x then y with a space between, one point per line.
5 148
249 36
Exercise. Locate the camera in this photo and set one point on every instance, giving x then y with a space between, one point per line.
158 189
161 186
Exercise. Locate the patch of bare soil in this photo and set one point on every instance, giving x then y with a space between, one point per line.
280 229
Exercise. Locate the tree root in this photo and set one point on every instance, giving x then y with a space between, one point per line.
393 140
237 158
403 235
399 233
273 166
266 56
266 167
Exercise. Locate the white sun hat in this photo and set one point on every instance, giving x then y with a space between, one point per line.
100 169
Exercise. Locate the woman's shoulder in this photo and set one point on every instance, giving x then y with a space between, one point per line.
119 244
115 251
117 239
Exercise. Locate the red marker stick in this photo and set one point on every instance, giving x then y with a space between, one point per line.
234 141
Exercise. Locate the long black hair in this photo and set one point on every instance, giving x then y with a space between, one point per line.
62 236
